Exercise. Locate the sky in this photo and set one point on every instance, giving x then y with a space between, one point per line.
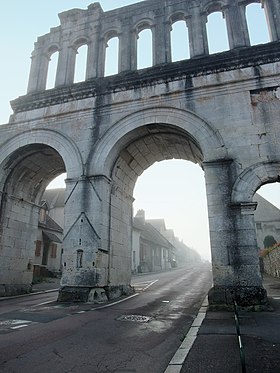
173 190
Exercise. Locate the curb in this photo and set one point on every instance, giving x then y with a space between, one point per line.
29 294
181 354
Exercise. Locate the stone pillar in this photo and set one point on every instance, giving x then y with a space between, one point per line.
125 47
272 9
66 65
38 71
236 275
102 45
162 41
92 57
237 29
197 33
89 273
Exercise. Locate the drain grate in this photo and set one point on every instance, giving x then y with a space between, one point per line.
134 318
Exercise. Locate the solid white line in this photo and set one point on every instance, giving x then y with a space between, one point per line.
152 283
19 326
181 354
42 304
114 303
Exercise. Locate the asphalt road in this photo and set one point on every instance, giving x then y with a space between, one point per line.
137 334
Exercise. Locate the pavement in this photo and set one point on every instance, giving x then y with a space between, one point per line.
212 344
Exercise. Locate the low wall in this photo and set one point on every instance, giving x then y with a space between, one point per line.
271 261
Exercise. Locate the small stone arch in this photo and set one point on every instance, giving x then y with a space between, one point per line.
51 49
214 6
143 24
106 152
79 42
251 179
110 34
178 16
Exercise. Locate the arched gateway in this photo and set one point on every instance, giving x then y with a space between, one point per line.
221 111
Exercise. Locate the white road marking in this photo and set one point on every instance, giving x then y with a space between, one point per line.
181 354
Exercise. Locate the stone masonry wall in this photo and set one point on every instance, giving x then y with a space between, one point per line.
271 262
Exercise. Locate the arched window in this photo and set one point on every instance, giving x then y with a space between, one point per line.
217 33
112 57
52 68
180 41
145 49
81 64
257 24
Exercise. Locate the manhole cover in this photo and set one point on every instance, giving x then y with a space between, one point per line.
134 318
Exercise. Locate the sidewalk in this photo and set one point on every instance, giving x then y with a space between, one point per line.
46 285
216 347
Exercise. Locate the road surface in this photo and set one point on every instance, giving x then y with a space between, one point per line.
137 334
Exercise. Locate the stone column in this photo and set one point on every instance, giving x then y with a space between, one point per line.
102 45
272 9
125 47
197 33
237 29
162 41
92 258
92 57
236 274
38 71
66 65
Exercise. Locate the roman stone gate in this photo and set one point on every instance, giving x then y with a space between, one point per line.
220 111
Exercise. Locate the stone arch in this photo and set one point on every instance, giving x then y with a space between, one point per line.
207 138
214 6
143 24
61 143
252 179
51 49
79 42
180 15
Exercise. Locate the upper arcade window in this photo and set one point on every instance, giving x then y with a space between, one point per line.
145 49
257 24
217 33
81 64
180 41
112 57
52 68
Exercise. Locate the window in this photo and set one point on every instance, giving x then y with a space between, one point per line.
112 57
217 33
257 25
53 250
81 64
52 68
180 41
145 49
38 248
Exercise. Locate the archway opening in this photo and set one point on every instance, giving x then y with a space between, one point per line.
255 15
27 230
81 64
217 33
267 225
144 49
180 41
112 57
52 69
172 195
152 150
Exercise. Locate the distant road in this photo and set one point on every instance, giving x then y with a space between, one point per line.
138 334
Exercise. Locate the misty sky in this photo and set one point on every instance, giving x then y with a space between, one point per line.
173 190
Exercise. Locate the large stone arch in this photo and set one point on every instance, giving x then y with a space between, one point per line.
28 162
118 136
251 179
62 144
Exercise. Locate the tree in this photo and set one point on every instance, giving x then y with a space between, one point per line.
269 241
